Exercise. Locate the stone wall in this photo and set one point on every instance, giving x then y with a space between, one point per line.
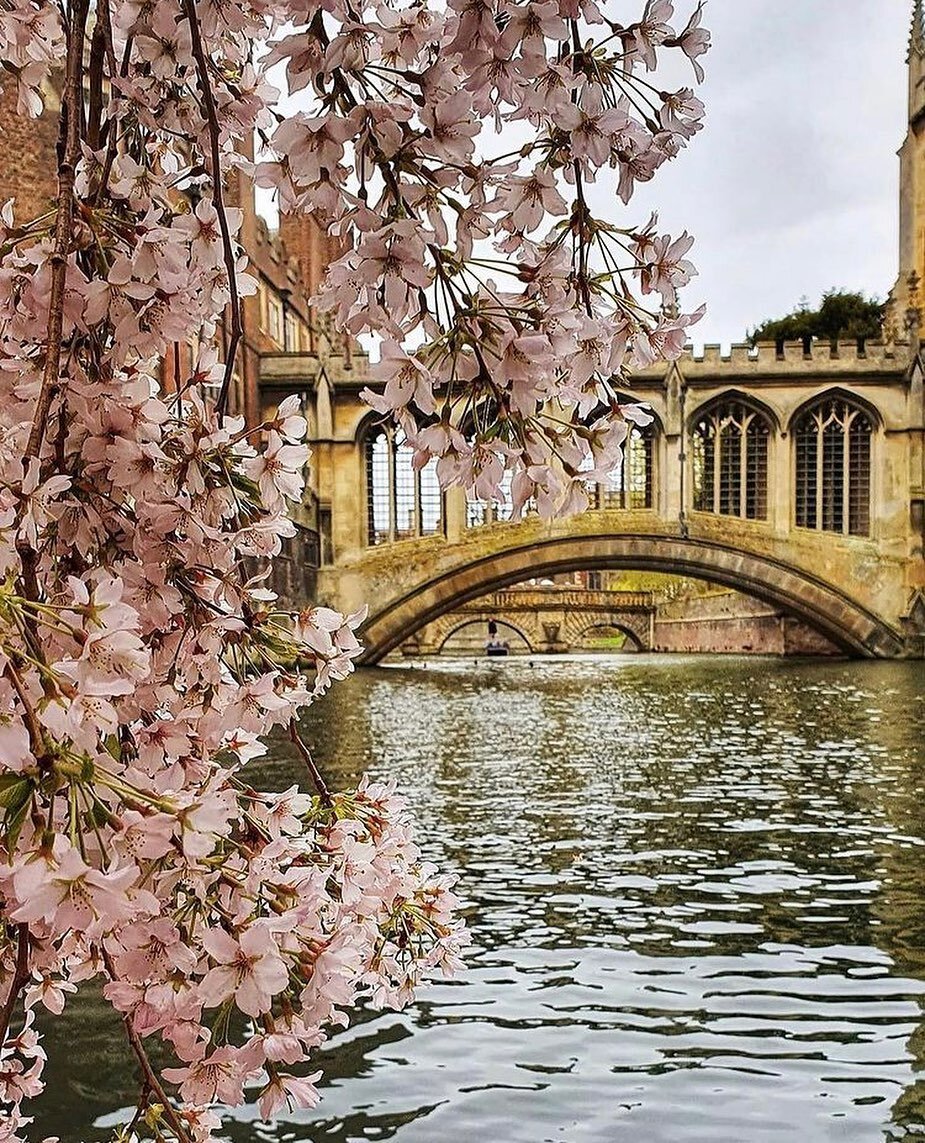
730 623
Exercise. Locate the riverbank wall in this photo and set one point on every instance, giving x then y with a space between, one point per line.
728 622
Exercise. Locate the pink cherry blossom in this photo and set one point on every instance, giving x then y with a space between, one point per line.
248 969
448 150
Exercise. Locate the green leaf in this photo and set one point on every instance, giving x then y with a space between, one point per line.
13 823
15 791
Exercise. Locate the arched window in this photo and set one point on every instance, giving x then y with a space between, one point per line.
832 444
630 485
400 502
730 461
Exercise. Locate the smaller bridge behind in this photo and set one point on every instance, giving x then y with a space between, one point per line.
549 618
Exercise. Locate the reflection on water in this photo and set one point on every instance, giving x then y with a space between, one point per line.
697 897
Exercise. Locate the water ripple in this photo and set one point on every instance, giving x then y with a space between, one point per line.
696 896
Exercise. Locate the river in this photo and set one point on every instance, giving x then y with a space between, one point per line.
697 898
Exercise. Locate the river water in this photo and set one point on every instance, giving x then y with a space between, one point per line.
697 897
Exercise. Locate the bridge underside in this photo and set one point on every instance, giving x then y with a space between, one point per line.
407 608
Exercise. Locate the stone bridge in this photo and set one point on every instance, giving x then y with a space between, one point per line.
547 618
794 473
411 583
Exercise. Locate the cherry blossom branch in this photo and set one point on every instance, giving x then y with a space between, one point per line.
20 979
150 1076
30 718
218 198
319 783
67 169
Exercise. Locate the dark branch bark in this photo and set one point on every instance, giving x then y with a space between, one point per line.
20 979
218 196
319 783
151 1081
64 223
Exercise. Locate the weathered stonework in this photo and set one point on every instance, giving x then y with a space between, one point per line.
413 582
852 590
548 619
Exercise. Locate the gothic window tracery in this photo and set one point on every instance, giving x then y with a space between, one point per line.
832 442
400 502
730 461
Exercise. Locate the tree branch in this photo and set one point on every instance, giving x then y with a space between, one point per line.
151 1080
20 979
320 785
218 197
64 223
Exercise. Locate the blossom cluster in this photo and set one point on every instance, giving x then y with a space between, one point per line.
487 278
143 657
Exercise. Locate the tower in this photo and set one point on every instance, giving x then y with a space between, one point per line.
906 297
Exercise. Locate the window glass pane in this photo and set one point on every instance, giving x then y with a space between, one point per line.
859 492
843 434
406 522
735 436
730 470
378 456
756 471
833 477
630 484
476 513
431 500
807 445
703 460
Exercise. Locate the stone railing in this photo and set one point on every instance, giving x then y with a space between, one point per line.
531 598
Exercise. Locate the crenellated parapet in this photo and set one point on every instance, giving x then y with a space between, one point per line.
790 361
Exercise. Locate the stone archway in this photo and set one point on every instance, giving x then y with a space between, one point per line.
632 632
416 602
454 625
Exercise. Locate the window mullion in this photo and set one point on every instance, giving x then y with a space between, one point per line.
717 464
418 505
393 485
846 474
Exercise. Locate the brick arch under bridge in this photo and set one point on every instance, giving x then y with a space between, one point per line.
417 582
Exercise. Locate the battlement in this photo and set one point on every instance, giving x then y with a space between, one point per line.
770 358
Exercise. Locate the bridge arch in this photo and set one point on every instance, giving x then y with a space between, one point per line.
843 620
605 625
504 626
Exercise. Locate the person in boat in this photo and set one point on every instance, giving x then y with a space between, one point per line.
495 646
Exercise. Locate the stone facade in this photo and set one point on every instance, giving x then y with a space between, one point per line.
729 623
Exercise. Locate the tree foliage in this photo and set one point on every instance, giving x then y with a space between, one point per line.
841 314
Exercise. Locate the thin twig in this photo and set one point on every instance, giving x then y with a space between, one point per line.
218 198
320 785
20 979
64 223
148 1072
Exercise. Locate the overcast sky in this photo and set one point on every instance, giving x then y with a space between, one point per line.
792 187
